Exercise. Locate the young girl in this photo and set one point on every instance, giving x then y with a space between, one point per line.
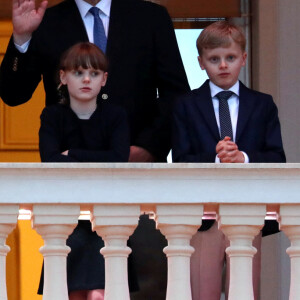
80 129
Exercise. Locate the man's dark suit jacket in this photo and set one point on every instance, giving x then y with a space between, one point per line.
143 57
196 133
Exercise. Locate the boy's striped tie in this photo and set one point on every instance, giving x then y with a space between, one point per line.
224 114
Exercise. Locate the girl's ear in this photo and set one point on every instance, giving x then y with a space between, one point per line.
104 79
62 76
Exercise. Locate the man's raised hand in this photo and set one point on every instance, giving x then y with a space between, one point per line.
26 19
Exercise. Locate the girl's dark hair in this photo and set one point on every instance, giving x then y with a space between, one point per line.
85 55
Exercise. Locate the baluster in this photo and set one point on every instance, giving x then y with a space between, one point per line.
8 221
241 223
115 223
55 223
289 220
178 223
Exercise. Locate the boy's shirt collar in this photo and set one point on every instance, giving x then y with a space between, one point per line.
214 89
103 5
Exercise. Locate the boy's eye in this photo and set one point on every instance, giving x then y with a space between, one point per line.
230 58
214 59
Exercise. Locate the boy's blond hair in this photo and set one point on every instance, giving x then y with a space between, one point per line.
220 34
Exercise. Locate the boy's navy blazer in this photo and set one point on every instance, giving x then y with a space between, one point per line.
196 133
143 57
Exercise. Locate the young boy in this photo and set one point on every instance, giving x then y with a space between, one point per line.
224 122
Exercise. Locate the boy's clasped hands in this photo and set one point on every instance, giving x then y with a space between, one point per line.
228 151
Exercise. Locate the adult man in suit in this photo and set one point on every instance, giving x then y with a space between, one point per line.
223 122
145 73
141 48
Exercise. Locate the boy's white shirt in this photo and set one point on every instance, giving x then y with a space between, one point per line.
88 20
233 103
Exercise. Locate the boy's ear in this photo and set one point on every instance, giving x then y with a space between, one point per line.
244 58
62 76
200 60
104 79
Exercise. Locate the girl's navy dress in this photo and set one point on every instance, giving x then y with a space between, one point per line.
102 138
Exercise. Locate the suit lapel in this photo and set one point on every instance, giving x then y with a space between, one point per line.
205 106
118 12
246 106
73 19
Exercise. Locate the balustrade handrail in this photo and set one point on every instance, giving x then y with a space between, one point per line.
23 183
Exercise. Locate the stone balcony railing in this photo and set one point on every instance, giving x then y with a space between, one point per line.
178 194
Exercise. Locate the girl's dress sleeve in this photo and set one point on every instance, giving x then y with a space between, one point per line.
50 137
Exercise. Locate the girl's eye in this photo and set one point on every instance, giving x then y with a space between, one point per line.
94 73
77 73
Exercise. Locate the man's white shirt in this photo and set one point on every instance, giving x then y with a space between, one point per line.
87 18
